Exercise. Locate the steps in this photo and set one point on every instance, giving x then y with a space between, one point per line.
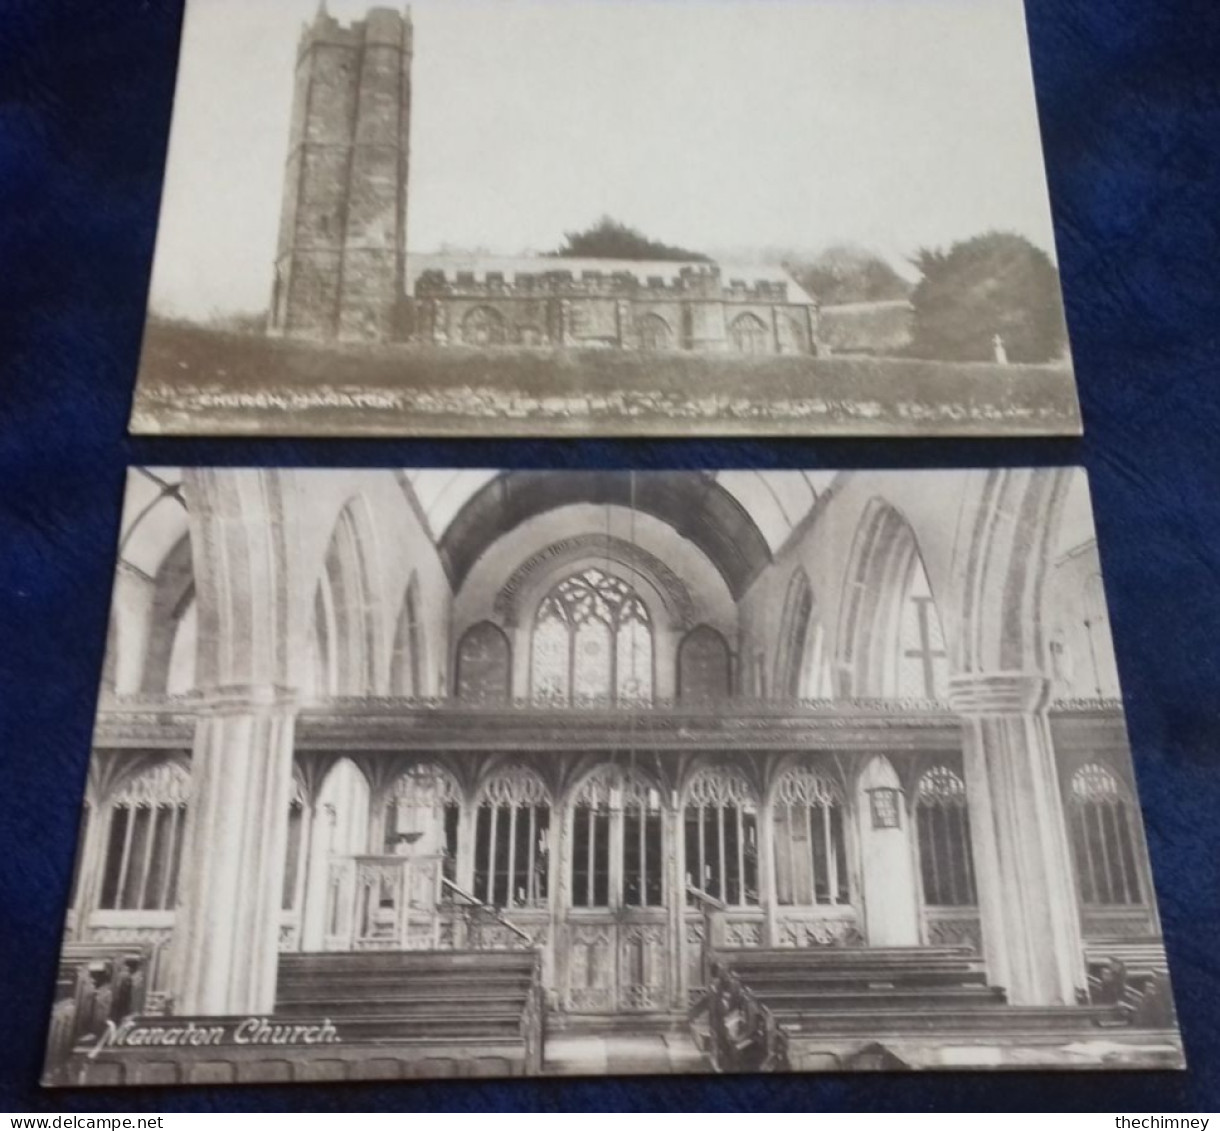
426 997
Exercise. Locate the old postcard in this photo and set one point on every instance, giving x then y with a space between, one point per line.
451 773
628 218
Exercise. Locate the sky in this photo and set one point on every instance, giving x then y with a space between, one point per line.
734 127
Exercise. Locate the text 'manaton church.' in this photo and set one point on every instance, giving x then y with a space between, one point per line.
411 773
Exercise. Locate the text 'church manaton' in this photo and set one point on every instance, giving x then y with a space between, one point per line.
431 773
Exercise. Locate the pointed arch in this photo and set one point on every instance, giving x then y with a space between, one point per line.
345 625
704 667
484 666
793 636
406 661
891 640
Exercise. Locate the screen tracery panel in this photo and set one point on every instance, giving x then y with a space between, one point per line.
809 815
512 840
721 830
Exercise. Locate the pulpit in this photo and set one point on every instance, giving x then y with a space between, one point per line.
385 902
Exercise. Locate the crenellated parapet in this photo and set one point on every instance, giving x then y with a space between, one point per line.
689 283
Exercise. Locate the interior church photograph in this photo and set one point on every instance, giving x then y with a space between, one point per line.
436 773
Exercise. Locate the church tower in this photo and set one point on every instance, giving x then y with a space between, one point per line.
341 260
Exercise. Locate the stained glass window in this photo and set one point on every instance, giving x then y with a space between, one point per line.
592 643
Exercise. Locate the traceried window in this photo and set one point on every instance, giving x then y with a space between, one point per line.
923 663
654 333
484 326
615 806
810 843
1100 815
422 812
721 829
144 843
512 848
592 643
749 334
942 824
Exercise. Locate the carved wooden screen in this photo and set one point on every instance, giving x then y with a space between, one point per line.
808 813
609 796
144 843
1103 838
292 858
512 840
703 667
942 824
721 830
484 665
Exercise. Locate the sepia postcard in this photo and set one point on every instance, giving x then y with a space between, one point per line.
403 774
625 217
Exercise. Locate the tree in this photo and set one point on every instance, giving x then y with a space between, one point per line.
845 274
994 284
610 239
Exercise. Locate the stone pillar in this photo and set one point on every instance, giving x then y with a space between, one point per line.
226 931
1026 886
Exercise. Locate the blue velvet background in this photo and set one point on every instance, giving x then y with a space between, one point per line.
1129 94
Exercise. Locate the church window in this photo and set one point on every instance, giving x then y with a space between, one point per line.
484 665
654 333
144 844
942 823
422 812
592 644
923 663
484 327
721 829
749 334
703 667
617 808
1103 837
810 840
512 840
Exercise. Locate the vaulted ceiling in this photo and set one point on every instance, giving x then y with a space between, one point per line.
694 503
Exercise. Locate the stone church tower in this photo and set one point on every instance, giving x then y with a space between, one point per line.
340 264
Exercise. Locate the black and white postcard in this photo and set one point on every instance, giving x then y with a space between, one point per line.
630 217
464 773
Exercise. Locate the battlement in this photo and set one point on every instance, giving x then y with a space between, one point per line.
690 282
381 27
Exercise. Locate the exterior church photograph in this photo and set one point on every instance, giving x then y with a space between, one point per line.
455 220
436 773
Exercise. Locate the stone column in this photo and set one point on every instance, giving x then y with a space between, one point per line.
1026 886
226 932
